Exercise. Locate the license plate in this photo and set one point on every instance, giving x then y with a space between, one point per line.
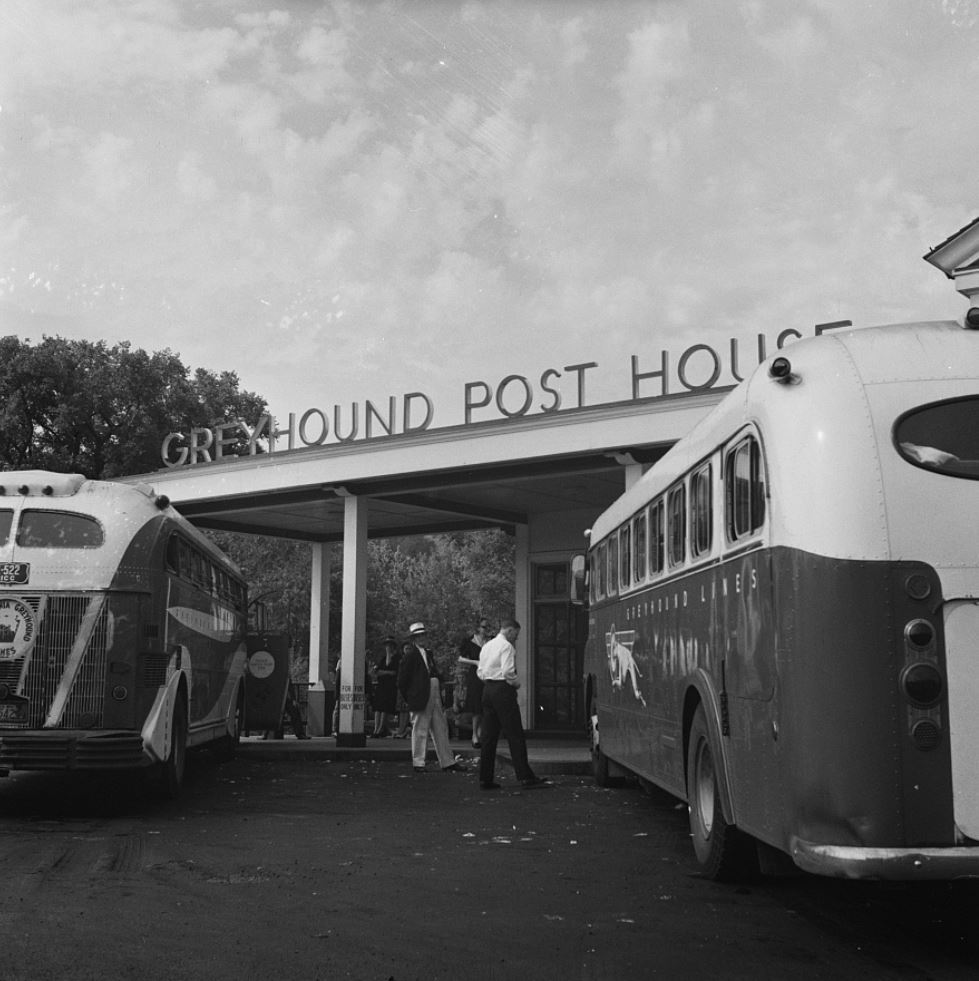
14 573
13 712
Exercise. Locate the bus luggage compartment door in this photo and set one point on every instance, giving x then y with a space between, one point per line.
962 665
268 680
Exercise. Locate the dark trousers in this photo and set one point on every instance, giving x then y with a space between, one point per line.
502 714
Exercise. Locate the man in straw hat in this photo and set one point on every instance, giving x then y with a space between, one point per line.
419 683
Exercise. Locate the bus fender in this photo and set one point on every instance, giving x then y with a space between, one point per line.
157 730
702 692
238 693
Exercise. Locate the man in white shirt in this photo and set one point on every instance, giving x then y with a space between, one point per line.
501 713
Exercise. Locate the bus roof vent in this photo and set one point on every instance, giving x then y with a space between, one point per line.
40 483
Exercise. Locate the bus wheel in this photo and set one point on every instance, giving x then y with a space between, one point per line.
599 761
722 851
599 767
171 775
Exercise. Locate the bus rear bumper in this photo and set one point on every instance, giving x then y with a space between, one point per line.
849 862
68 749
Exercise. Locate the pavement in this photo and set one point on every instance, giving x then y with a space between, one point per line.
548 756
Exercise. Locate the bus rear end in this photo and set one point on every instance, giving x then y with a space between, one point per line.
880 662
75 685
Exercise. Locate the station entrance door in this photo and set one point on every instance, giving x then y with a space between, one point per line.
559 633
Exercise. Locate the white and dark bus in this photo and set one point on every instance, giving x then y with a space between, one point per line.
784 613
122 630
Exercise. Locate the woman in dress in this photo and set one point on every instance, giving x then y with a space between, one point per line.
385 687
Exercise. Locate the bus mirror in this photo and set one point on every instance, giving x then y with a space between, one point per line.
579 580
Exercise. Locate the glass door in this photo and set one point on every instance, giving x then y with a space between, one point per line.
559 631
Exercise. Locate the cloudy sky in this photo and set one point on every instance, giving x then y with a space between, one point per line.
347 201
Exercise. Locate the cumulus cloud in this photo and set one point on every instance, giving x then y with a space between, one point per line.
388 190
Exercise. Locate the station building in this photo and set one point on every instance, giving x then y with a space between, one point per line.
539 470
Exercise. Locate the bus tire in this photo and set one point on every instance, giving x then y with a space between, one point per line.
173 768
723 852
600 768
599 761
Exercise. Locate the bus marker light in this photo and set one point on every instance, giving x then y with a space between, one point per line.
972 318
781 369
919 634
120 693
922 684
917 586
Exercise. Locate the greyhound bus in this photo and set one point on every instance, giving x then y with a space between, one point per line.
784 614
122 630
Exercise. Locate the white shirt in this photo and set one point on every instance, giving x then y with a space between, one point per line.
497 661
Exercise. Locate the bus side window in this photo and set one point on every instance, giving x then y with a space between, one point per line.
657 538
701 512
676 506
601 569
173 553
613 566
625 555
744 502
639 547
759 493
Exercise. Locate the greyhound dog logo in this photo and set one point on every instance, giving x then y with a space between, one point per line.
16 628
621 664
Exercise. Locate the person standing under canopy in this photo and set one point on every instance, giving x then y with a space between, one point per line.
501 713
421 686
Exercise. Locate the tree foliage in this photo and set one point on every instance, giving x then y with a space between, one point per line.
278 574
84 407
447 581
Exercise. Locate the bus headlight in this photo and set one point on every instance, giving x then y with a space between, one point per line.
922 684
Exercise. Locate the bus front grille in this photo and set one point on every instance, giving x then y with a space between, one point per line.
62 621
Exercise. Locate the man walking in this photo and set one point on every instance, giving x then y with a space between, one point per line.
419 683
498 672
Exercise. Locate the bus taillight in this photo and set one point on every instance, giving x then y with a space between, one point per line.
920 635
921 683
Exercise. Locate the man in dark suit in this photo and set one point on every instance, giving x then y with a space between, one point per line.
421 687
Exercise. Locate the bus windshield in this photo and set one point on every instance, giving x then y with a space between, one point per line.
943 437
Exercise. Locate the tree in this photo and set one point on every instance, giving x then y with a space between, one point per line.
278 574
84 407
445 580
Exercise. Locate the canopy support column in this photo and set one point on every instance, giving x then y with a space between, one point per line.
321 679
353 643
523 613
